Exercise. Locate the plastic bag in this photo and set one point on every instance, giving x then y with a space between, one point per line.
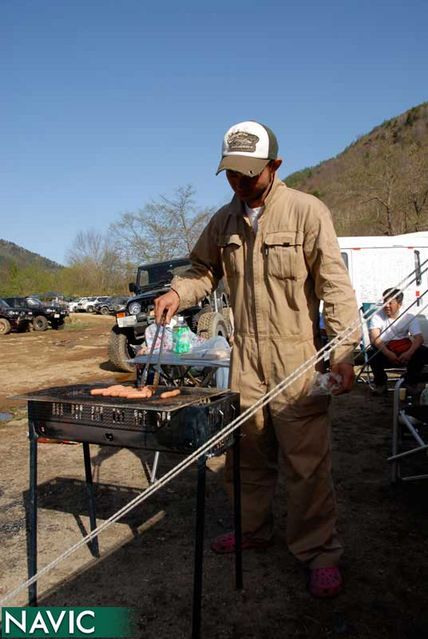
213 348
325 384
150 333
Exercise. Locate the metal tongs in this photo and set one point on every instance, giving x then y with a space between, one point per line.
142 377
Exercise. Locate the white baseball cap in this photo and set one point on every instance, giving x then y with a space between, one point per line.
247 148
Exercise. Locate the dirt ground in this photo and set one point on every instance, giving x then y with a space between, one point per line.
147 557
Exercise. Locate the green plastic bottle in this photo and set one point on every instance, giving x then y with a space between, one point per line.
181 336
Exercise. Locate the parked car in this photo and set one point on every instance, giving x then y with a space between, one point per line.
72 304
85 304
111 304
44 315
13 319
92 308
209 318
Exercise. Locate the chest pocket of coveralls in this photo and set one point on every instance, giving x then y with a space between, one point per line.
283 254
231 251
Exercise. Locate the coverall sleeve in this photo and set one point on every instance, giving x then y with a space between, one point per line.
205 272
332 282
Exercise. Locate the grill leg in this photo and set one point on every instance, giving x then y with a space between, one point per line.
154 469
237 508
91 498
199 548
32 517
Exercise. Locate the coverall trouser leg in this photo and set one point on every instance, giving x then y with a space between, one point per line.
303 436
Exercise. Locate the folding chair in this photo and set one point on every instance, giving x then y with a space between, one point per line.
409 431
365 374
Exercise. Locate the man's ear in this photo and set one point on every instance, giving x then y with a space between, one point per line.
275 164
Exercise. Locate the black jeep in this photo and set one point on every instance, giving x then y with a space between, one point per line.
210 317
13 319
111 304
44 315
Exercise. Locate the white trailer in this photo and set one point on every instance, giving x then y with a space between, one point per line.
376 263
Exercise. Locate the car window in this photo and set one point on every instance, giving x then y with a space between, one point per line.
31 301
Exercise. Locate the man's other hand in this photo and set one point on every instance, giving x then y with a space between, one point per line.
346 371
405 357
168 304
393 358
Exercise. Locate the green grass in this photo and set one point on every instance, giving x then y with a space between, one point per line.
76 325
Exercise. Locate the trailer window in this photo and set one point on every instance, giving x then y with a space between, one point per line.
345 259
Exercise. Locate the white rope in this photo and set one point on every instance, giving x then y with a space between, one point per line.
211 443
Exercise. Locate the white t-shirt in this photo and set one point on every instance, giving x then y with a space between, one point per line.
253 215
406 325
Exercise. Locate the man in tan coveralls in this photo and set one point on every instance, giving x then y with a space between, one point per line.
278 251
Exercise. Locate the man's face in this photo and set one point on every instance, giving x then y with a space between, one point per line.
253 189
392 307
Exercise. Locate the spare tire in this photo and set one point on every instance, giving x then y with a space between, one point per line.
120 350
5 326
211 325
40 323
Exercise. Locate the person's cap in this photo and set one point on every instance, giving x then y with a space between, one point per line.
247 148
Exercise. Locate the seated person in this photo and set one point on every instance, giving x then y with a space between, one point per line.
396 340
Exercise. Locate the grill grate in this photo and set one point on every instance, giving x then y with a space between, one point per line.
80 393
177 424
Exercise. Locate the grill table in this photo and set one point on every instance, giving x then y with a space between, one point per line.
184 362
178 425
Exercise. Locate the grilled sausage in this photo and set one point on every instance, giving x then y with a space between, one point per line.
105 391
171 393
139 393
112 391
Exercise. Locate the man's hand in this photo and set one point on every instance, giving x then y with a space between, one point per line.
393 358
167 303
346 371
405 357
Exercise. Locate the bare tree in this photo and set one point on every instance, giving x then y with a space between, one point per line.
161 229
414 169
381 188
95 264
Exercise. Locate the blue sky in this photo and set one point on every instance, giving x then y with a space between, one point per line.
107 104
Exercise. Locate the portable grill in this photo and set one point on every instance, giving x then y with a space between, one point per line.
179 424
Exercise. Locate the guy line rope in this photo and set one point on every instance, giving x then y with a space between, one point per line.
216 439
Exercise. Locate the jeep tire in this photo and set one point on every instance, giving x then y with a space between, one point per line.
57 324
104 310
5 326
211 325
120 349
40 323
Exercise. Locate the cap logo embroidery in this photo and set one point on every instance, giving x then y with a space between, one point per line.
242 141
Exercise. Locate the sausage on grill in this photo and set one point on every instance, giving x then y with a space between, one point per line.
171 393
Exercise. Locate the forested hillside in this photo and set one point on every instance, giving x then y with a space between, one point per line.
379 184
11 253
23 272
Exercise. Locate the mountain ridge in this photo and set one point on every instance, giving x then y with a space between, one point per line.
13 254
378 185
